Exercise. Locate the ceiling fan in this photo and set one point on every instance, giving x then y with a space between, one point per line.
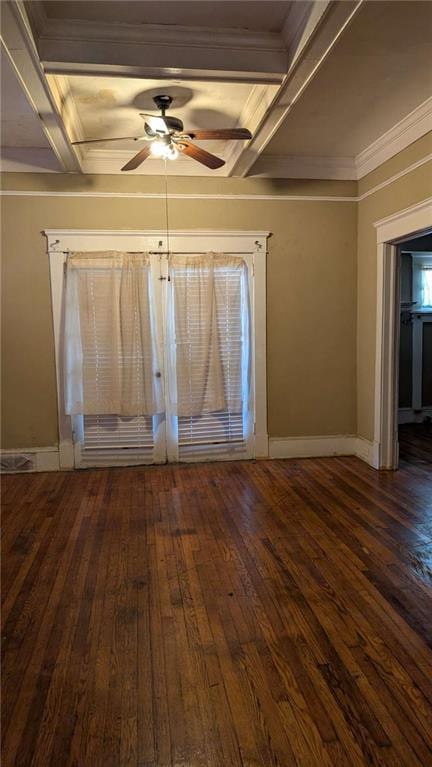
166 137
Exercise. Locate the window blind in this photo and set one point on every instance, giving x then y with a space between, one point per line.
206 315
112 385
111 361
426 286
112 440
225 429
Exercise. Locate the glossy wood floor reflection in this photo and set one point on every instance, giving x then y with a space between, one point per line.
259 614
415 443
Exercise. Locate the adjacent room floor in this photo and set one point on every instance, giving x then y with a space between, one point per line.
415 444
270 613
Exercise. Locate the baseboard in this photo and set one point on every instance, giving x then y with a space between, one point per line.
33 459
324 446
261 446
311 447
53 459
368 451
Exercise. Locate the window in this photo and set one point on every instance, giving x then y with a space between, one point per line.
426 286
231 432
221 430
422 281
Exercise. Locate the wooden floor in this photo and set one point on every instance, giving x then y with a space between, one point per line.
274 614
415 443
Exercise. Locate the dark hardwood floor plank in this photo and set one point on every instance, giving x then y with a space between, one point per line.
415 444
255 614
56 614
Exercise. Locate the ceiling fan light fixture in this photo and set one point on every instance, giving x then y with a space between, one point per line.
158 148
164 137
163 149
172 152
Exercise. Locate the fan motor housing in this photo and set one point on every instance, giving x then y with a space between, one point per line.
163 101
174 124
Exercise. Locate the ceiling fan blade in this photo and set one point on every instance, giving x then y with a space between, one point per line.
205 158
223 134
156 123
138 158
103 140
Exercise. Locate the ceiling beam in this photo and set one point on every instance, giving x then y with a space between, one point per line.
314 38
159 51
18 43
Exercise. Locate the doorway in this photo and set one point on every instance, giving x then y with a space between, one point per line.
415 351
392 233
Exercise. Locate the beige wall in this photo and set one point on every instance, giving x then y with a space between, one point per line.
321 290
402 192
311 290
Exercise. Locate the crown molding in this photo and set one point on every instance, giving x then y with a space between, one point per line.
110 161
44 161
412 127
185 196
287 166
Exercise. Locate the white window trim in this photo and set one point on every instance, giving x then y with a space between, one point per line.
390 232
252 243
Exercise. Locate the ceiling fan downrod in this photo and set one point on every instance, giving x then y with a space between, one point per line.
163 102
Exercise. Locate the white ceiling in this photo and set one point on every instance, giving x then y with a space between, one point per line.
360 70
110 107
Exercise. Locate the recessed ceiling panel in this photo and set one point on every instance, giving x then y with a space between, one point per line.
109 107
262 16
379 72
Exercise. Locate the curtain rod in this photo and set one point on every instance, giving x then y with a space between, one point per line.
196 252
165 252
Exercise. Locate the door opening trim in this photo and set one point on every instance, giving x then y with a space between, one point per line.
391 231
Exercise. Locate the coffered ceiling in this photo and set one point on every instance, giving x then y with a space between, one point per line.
112 106
328 88
268 16
380 71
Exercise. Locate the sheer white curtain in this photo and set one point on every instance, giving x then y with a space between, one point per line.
426 286
207 345
111 364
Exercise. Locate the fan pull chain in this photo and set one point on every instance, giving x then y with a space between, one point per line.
166 206
167 226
